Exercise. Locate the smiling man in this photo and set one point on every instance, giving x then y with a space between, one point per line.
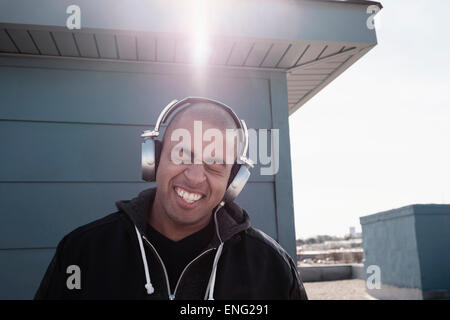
189 183
184 239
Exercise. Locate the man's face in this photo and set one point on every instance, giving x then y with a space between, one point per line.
188 192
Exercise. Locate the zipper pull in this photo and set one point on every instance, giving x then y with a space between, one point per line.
171 296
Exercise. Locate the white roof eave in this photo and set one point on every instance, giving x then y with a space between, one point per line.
312 41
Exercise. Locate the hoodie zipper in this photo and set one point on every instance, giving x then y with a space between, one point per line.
172 296
185 268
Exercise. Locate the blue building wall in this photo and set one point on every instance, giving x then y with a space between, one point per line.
433 242
69 135
411 247
389 241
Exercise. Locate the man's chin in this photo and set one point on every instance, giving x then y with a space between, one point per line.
186 214
185 220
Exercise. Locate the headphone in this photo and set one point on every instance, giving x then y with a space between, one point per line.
151 147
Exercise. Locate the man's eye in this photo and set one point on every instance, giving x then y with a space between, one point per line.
215 168
180 155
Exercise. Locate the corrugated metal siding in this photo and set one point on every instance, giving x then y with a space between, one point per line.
303 56
71 148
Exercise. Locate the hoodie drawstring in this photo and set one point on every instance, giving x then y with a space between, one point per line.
209 294
148 285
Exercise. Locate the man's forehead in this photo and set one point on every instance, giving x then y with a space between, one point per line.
210 115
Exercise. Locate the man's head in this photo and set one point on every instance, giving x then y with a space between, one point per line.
193 173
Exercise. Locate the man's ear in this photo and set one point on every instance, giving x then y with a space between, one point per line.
158 149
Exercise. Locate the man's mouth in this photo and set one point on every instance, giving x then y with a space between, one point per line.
189 197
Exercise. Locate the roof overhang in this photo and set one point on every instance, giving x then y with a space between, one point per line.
312 41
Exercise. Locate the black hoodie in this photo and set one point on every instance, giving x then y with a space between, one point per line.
116 261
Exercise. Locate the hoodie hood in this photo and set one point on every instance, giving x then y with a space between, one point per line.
231 219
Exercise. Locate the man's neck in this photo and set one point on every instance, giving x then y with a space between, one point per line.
161 222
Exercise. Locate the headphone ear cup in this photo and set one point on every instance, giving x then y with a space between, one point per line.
237 184
158 148
148 160
234 170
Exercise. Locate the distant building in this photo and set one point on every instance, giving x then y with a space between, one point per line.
407 250
352 233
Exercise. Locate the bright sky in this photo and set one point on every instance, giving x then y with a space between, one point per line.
378 137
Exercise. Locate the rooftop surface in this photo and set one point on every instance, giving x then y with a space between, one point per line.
354 289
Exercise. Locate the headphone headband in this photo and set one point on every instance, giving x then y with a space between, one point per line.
151 148
175 104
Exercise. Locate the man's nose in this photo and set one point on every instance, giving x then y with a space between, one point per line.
195 174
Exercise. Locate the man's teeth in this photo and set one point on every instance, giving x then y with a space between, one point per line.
187 196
